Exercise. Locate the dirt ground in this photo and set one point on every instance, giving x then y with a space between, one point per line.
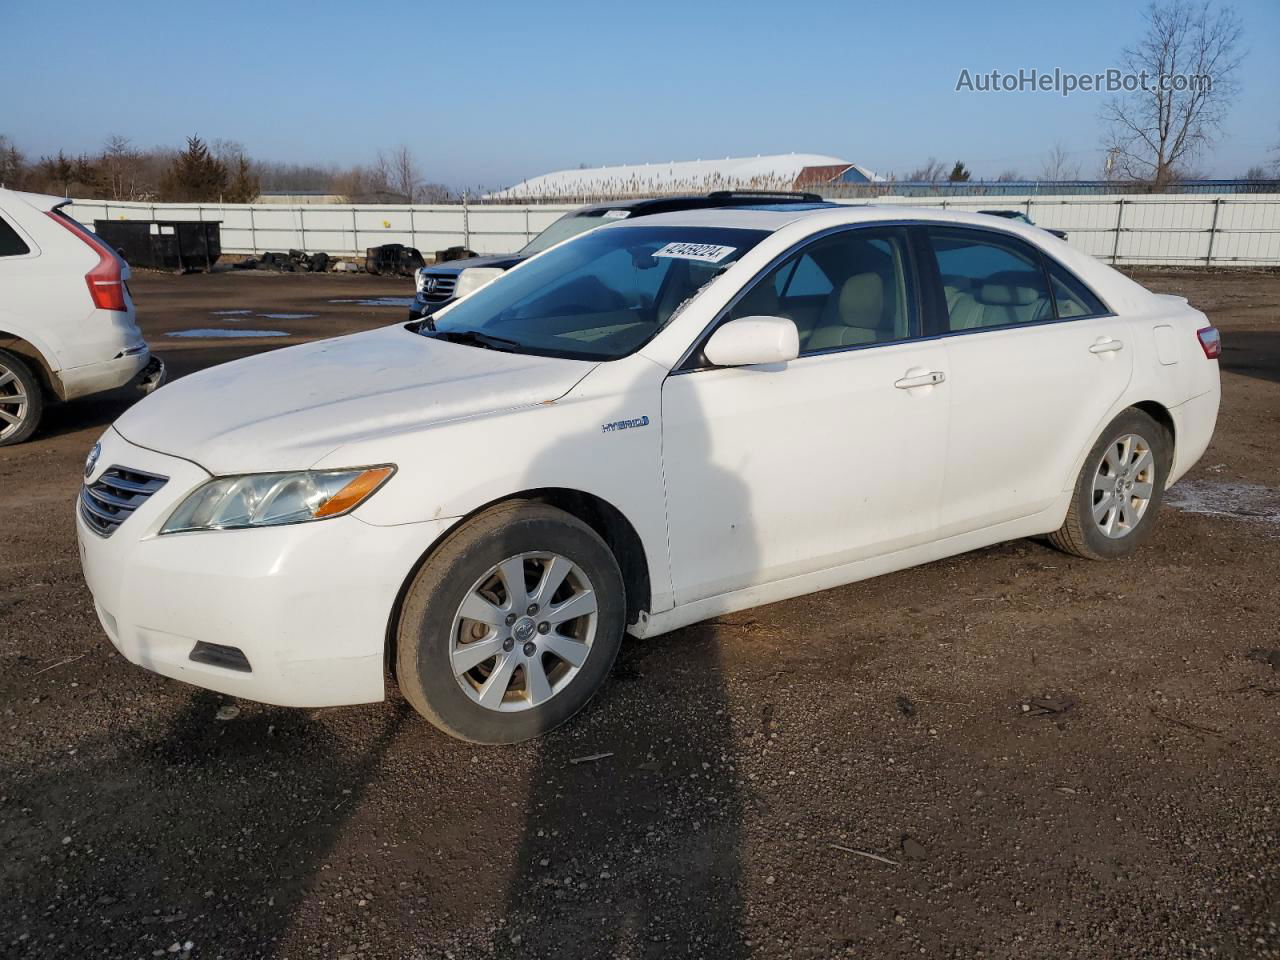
1012 753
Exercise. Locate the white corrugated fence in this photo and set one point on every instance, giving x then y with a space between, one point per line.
1178 229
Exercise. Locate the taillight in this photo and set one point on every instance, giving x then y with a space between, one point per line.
1210 342
106 284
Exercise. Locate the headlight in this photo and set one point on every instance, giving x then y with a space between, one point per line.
271 499
473 278
419 278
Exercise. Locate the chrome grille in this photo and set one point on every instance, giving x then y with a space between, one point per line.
111 499
438 287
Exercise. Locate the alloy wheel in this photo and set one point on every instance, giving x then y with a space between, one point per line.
1123 485
523 631
13 403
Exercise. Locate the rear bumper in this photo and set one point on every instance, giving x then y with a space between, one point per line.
104 375
307 605
1193 425
153 376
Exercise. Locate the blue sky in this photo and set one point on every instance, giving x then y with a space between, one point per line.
508 90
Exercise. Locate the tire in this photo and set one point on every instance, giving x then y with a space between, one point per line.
499 699
1094 510
21 400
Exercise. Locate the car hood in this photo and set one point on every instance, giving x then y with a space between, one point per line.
288 409
452 268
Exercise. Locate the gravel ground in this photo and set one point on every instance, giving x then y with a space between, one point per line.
1011 753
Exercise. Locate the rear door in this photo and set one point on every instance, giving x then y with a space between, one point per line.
1034 361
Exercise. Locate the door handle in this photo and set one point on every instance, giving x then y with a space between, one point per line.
929 379
1106 345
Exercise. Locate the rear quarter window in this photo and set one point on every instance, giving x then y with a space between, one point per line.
11 245
1073 298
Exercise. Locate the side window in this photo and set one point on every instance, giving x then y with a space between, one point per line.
989 280
11 245
1073 298
805 279
846 290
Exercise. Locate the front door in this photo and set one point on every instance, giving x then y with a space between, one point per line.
776 472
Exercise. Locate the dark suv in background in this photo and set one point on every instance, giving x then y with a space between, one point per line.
437 286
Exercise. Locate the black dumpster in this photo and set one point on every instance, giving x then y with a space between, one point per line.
178 245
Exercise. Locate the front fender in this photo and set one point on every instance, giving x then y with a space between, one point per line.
603 438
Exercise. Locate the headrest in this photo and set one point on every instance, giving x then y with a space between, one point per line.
862 300
957 282
1010 289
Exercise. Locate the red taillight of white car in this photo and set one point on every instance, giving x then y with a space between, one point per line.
105 281
1210 342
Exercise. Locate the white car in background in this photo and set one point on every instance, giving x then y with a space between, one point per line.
67 326
642 427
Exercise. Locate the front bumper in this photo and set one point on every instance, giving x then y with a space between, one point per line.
422 307
308 605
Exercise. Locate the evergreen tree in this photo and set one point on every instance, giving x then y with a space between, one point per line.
196 176
244 187
958 173
57 172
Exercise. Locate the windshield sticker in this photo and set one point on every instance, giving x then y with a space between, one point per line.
615 215
706 252
624 424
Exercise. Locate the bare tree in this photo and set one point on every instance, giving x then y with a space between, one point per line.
1058 165
1255 172
121 168
399 170
226 151
1153 133
1008 176
932 171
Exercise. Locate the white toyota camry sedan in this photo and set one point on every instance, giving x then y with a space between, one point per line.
640 428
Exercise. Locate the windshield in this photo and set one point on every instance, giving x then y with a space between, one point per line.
600 297
571 226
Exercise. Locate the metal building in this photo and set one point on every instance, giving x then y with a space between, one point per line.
788 171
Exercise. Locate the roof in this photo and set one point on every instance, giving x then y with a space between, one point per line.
773 172
775 218
744 218
648 206
40 201
834 173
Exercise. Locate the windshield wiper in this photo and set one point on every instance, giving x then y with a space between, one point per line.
477 339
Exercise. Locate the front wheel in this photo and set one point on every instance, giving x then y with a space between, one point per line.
1119 490
512 626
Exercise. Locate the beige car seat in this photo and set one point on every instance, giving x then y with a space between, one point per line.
1001 300
856 315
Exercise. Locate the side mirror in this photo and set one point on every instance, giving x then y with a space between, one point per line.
749 341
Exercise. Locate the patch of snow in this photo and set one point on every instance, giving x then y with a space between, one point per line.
201 333
1215 498
380 302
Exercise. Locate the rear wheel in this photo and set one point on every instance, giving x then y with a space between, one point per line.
512 626
1119 490
21 400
